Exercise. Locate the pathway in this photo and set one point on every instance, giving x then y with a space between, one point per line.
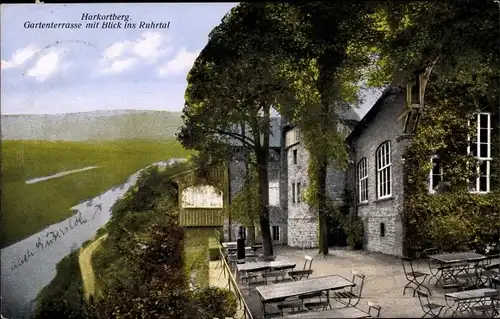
85 261
220 280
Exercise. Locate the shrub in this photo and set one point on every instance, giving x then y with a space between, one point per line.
354 230
214 302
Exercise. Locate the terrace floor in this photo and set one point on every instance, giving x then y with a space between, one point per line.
383 284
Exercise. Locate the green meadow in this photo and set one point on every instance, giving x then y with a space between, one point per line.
28 208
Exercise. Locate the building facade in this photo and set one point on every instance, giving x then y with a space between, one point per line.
377 144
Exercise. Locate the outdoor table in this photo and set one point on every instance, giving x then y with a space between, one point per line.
462 300
265 265
448 260
347 312
228 244
296 288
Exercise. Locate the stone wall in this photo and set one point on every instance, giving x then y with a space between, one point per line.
277 216
375 212
302 220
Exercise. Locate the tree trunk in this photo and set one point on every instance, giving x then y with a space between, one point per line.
327 66
250 227
251 234
262 159
265 227
322 206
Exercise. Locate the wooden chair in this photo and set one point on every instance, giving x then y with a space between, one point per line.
416 278
276 273
353 295
305 272
429 308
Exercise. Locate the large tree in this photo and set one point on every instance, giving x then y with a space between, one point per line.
235 82
333 43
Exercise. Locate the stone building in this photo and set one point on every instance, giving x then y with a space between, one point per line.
377 144
237 172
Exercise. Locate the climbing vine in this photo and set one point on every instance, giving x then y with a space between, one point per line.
452 218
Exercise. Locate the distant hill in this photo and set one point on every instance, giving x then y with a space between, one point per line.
94 125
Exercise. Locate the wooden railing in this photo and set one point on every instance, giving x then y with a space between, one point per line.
232 285
201 217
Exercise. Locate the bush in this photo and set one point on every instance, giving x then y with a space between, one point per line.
214 302
354 230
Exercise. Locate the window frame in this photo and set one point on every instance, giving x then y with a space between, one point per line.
294 156
273 227
297 189
362 180
431 174
482 159
383 169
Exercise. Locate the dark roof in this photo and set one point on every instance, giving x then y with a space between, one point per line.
346 114
374 110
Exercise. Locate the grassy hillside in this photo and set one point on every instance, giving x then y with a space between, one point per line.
95 125
28 208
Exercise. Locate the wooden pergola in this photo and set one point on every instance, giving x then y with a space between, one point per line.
202 200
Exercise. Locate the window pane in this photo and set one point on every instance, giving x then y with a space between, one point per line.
483 135
483 120
437 166
483 150
388 180
483 168
473 149
482 184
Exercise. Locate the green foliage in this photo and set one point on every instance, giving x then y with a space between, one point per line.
452 218
63 297
214 302
354 230
244 207
48 202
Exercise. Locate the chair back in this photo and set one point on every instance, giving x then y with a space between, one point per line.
490 258
423 298
407 262
430 251
358 279
307 260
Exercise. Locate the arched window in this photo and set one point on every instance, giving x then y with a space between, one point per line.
362 181
384 179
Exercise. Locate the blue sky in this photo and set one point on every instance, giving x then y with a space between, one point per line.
51 71
66 70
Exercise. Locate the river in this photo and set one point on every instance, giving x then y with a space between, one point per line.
30 264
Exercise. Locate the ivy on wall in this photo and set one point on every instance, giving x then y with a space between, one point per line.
452 218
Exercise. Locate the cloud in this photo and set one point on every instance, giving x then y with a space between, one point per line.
115 50
121 65
182 61
150 46
47 66
20 57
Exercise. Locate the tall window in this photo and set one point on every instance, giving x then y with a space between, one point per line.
362 181
480 147
383 158
294 152
293 192
274 193
298 192
275 232
435 175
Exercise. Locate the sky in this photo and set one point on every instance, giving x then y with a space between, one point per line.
66 70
